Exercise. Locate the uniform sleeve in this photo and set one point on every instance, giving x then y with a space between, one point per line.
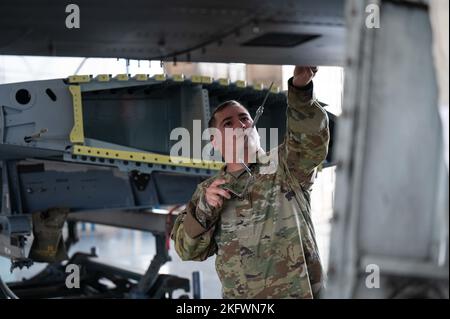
193 230
307 135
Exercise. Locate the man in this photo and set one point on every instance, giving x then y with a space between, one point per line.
264 239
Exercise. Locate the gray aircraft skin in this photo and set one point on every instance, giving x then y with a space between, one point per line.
256 32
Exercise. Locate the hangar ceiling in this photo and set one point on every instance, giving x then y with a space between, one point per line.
245 31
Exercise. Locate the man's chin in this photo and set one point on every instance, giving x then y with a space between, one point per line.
250 155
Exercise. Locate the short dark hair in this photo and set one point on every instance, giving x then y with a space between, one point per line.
220 107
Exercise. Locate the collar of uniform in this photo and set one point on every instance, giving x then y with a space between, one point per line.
239 173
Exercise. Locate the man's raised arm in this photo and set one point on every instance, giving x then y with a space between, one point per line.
307 134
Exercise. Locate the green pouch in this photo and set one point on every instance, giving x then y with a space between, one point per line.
48 244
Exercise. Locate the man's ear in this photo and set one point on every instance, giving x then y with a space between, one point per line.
215 137
213 141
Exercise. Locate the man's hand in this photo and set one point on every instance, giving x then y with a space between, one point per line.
214 194
303 75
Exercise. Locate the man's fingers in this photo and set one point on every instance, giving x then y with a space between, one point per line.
215 189
215 194
217 182
215 199
221 192
308 73
303 75
213 203
305 70
217 204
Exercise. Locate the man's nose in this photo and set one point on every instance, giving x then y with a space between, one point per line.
240 125
245 125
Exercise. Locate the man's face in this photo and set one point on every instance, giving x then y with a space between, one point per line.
232 122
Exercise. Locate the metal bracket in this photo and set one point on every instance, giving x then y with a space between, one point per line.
77 133
144 157
140 180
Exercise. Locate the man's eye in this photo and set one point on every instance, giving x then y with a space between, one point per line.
227 124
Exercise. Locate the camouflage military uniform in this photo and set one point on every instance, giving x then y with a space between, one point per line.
265 242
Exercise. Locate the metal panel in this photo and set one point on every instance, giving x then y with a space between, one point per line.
132 118
39 113
403 139
177 28
77 190
389 156
138 220
133 114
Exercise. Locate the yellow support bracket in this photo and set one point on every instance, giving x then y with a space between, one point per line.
201 79
224 81
207 80
196 79
159 77
240 84
144 157
275 89
103 77
140 77
258 86
77 133
122 77
79 78
178 77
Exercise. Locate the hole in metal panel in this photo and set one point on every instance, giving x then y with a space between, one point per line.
280 39
51 94
23 96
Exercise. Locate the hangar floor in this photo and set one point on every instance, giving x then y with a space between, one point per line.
133 250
